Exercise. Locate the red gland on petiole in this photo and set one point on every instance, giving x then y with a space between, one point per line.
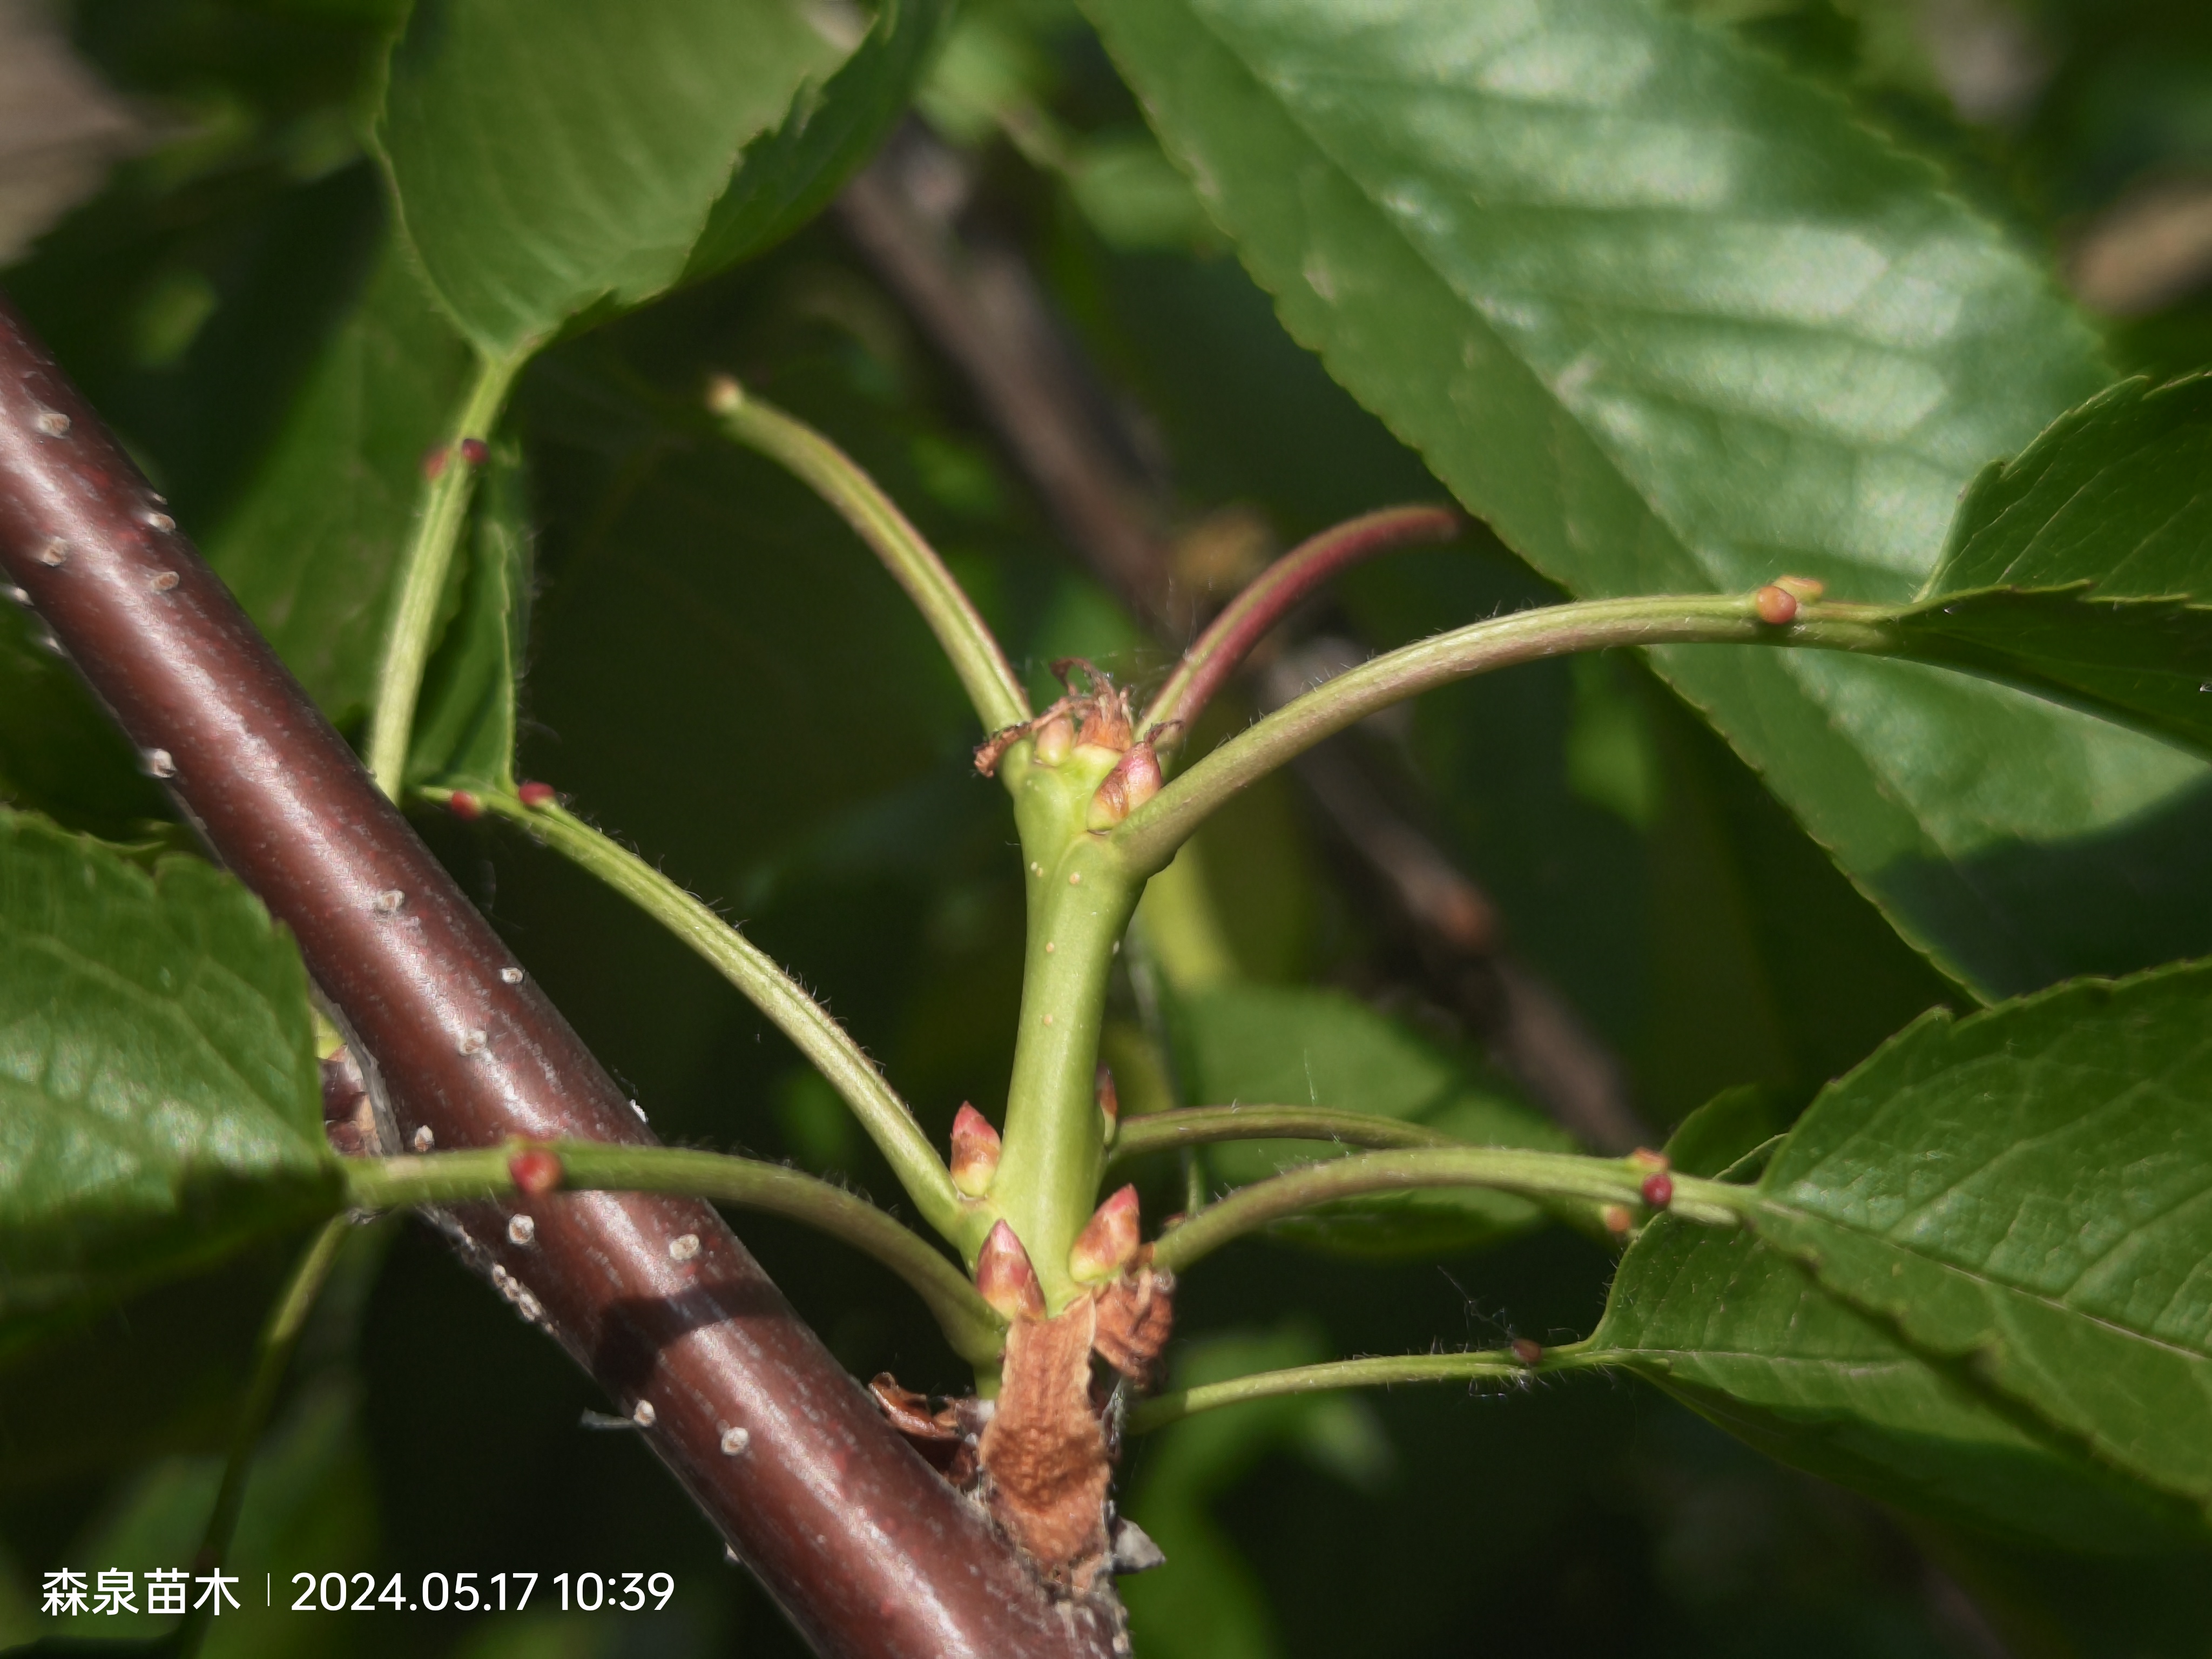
974 1152
536 795
535 1171
1659 1190
464 806
1005 1278
1776 606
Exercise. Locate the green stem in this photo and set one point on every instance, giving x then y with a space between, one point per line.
272 1358
1080 899
1381 1371
976 1334
1541 1175
826 1044
1150 836
960 632
424 565
1199 1126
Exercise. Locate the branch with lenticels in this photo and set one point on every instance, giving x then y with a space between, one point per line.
867 1550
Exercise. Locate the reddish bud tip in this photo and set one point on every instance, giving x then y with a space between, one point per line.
1055 740
1644 1158
464 806
475 451
1109 1241
1005 1277
536 1171
1616 1218
974 1152
1659 1190
1526 1352
1807 588
1134 780
433 460
1109 1099
536 794
1775 605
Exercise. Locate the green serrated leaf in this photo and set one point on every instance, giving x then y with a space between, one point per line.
551 157
160 1105
464 732
1272 1045
2028 1193
2083 566
790 174
312 549
1746 1337
1670 319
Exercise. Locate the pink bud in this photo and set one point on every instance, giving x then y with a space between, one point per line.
1109 1099
1616 1218
536 794
1644 1158
1005 1277
475 451
1134 780
1527 1352
1775 605
1109 1241
974 1152
464 806
433 460
1659 1190
1806 588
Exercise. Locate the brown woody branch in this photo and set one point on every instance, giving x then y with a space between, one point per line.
868 1549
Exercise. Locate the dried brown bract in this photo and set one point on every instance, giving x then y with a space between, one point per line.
1044 1451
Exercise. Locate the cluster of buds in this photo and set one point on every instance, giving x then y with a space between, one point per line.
1098 719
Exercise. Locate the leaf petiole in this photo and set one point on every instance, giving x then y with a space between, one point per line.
272 1358
1148 837
1382 1370
976 1334
832 474
1542 1176
1199 1126
424 566
828 1047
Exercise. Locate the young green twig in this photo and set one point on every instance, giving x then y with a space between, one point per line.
1541 1175
272 1358
423 564
976 1334
826 1044
1383 1370
960 631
